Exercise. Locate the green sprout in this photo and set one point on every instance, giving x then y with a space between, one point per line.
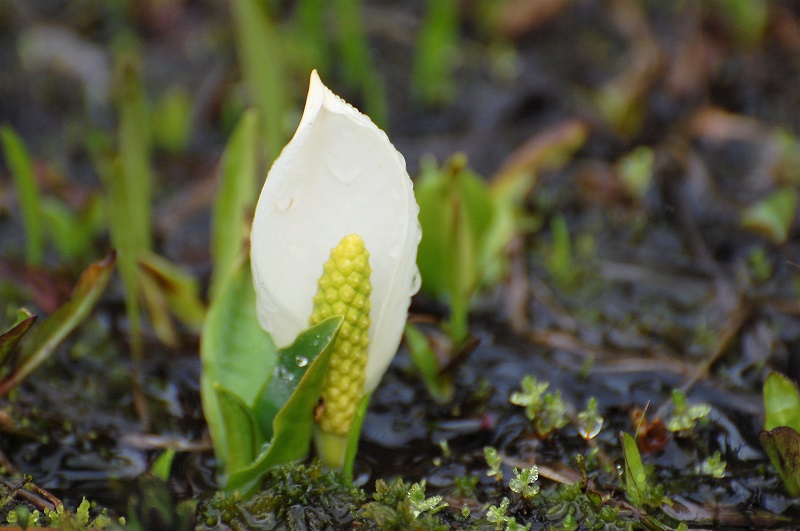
713 466
637 488
496 514
548 411
420 504
494 460
685 416
523 483
781 435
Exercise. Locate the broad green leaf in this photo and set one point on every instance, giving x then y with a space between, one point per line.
11 337
180 289
244 437
19 162
237 354
293 426
293 362
229 227
261 57
635 478
781 402
773 216
42 341
782 445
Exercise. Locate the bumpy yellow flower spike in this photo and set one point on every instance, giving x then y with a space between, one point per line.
343 289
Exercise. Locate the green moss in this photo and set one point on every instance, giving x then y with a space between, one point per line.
296 495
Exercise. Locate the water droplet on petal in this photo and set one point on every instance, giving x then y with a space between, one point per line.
416 282
284 203
302 361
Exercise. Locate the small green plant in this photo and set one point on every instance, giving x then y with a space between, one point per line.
685 416
399 505
637 487
21 167
494 460
16 364
496 514
713 466
464 231
524 482
773 215
547 410
781 435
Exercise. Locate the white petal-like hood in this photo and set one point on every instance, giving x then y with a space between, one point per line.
338 175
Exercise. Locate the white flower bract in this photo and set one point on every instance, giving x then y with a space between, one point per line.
338 175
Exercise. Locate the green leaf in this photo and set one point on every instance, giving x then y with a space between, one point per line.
11 337
437 45
43 340
294 423
239 422
354 57
73 232
781 402
456 212
19 162
229 227
439 385
773 216
237 354
260 56
635 477
353 437
163 464
135 178
782 445
180 289
172 120
293 362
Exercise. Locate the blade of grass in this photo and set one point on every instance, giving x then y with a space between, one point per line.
435 54
229 228
43 340
134 151
358 67
19 162
311 33
260 55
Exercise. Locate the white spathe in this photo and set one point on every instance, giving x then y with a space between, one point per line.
338 175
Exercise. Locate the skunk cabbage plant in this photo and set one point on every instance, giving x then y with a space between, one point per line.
335 233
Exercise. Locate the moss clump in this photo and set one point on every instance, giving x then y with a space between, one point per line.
294 496
401 506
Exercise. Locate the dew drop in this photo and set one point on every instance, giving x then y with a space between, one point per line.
416 282
301 361
284 203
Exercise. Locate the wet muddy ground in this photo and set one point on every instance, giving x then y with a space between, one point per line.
666 288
